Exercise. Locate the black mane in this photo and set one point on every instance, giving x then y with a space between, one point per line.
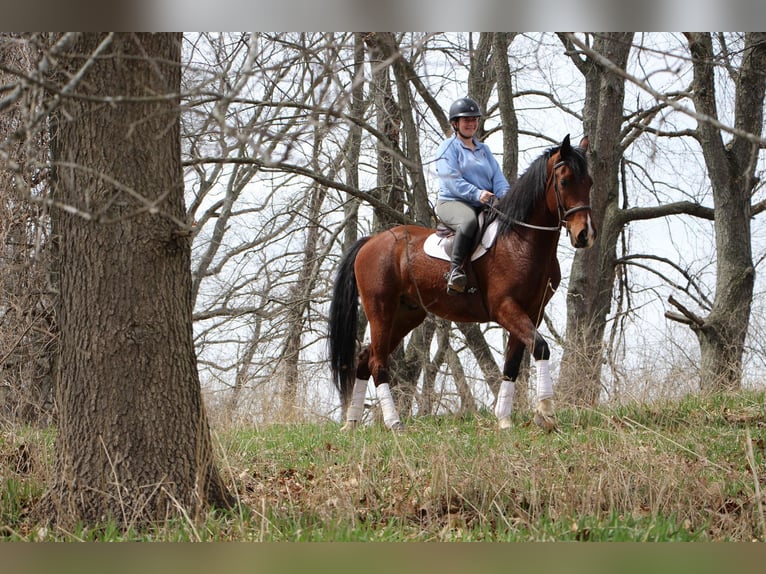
527 190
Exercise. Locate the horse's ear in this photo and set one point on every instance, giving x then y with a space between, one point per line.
584 143
566 147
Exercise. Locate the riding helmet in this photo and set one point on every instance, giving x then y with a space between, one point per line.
464 108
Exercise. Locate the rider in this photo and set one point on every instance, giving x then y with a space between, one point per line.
469 178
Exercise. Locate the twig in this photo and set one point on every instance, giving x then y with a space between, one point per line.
660 97
18 341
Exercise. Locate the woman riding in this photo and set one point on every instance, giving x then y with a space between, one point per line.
469 179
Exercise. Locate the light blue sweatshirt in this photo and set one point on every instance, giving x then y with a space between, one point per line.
464 173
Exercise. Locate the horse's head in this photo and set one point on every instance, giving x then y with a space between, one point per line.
569 186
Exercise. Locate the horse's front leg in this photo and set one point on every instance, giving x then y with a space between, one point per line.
545 415
520 327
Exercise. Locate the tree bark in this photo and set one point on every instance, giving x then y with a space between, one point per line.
354 145
481 77
589 295
134 442
390 188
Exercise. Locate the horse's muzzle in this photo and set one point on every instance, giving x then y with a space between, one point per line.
585 237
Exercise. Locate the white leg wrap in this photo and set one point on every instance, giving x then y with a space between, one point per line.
544 382
504 402
356 407
390 416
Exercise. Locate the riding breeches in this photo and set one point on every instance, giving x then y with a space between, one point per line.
459 216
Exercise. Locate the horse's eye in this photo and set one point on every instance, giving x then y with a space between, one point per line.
564 182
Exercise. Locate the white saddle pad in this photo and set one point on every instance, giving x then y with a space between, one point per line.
433 245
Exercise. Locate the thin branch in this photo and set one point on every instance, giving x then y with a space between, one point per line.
658 211
631 260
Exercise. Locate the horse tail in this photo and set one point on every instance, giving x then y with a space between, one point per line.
344 316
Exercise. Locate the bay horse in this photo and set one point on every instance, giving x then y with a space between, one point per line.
399 284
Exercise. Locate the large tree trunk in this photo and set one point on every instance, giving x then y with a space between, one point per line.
731 169
592 276
134 442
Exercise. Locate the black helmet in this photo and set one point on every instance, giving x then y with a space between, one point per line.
464 108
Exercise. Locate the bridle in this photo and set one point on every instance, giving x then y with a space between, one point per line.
564 214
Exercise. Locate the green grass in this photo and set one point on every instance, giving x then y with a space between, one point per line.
662 472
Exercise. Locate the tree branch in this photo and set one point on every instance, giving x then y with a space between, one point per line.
687 317
676 208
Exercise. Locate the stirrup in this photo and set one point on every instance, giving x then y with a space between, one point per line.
456 281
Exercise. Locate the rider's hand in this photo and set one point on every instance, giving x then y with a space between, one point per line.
486 196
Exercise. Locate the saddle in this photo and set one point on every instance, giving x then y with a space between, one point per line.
439 243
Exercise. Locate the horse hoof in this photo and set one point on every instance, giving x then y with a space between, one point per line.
545 417
349 426
504 423
397 427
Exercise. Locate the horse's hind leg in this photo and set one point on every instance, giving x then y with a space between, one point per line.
355 409
384 339
378 366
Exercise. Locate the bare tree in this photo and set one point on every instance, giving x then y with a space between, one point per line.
253 285
256 105
731 168
593 274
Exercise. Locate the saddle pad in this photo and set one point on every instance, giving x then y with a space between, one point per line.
433 245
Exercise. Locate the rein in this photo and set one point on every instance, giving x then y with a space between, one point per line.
562 213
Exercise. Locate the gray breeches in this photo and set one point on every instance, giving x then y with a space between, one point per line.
459 216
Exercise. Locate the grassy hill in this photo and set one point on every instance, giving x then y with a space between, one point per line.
693 470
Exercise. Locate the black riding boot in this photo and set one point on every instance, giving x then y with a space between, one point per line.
461 247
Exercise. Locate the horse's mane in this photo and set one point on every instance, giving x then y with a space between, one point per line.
527 190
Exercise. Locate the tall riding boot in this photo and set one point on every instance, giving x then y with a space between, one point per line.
461 247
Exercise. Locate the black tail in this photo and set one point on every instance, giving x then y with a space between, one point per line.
344 313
